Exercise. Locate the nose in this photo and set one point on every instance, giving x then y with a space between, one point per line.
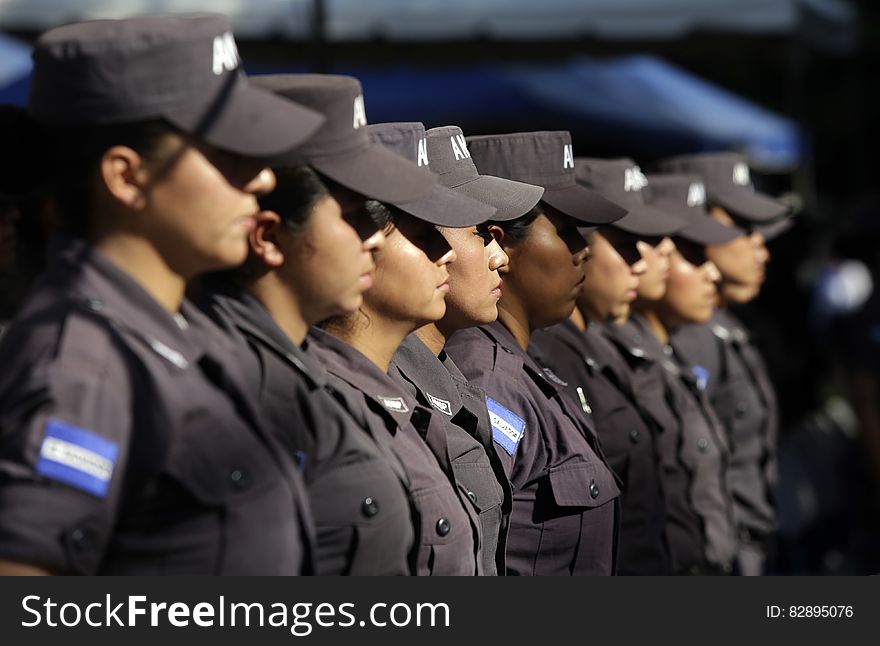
711 272
498 259
374 243
581 256
447 258
263 183
639 267
666 247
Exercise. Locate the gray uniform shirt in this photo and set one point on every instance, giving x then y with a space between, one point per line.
743 398
447 526
437 382
355 482
128 444
699 446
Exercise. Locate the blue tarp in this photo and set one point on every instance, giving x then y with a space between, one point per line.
639 106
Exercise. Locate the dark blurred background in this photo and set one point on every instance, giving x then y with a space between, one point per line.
791 83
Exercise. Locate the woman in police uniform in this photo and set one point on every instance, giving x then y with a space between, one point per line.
127 442
564 515
475 285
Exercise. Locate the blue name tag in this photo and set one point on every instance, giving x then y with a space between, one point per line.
77 457
701 375
507 427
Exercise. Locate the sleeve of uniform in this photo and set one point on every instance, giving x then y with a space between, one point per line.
514 423
64 434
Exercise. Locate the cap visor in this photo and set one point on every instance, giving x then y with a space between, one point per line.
376 172
749 205
249 121
511 199
703 230
446 208
645 220
583 204
771 231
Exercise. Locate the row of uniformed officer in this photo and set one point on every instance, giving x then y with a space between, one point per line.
416 431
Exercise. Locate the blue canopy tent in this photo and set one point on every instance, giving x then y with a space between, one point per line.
640 106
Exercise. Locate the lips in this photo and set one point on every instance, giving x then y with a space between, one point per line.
497 289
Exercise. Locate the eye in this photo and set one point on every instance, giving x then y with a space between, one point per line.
483 233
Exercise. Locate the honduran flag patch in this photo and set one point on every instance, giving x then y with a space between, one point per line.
507 427
77 457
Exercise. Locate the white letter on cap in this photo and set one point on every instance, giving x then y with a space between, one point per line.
463 145
225 53
422 156
696 194
567 156
360 112
634 179
456 150
741 174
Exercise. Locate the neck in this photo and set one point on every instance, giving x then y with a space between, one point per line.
375 337
433 337
656 324
513 317
577 317
282 304
140 259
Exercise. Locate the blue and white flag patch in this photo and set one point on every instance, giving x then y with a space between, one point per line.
77 457
701 375
507 427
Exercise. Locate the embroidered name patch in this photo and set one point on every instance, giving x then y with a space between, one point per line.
440 404
77 457
394 404
507 427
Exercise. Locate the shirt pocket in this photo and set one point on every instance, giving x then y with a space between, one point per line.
446 539
363 520
582 484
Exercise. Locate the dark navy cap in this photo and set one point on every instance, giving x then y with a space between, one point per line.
442 206
685 197
728 184
545 159
622 181
183 69
342 149
451 161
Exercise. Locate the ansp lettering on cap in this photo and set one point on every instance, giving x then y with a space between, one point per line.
508 428
696 194
422 152
225 54
741 174
360 113
459 147
567 156
634 180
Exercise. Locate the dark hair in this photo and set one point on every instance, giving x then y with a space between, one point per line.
296 193
383 215
518 229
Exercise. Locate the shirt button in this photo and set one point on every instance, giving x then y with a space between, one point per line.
239 479
370 507
594 489
472 496
634 436
740 409
443 526
703 444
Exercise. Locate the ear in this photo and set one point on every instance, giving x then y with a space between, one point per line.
124 175
266 239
